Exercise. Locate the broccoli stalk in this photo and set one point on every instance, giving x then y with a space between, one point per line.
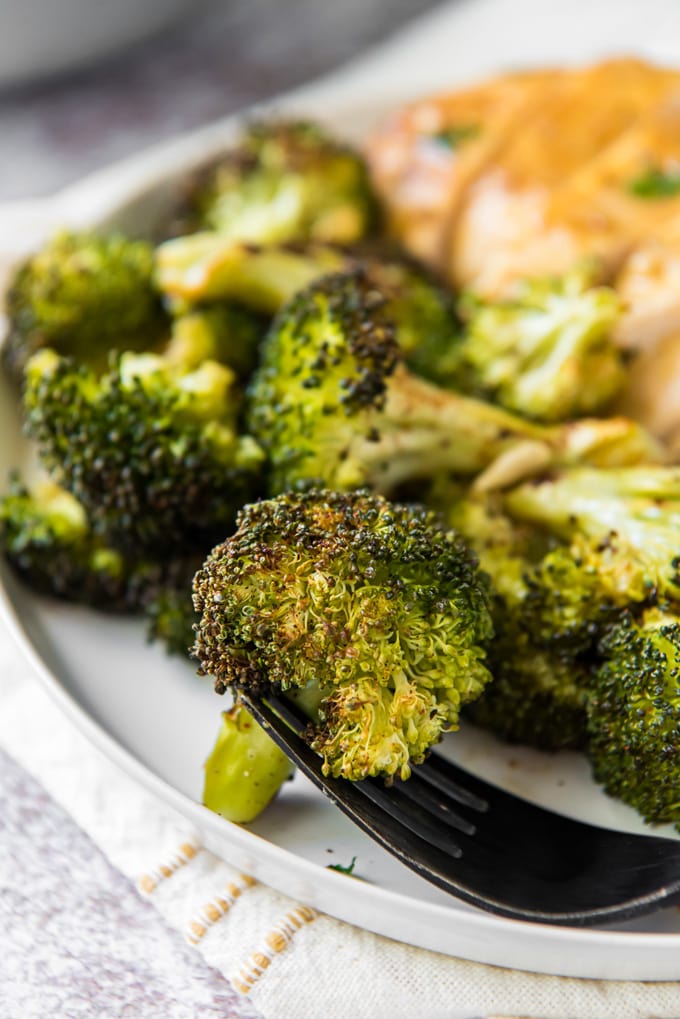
245 769
206 267
332 405
286 181
371 605
547 353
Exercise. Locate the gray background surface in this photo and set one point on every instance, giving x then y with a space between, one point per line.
229 55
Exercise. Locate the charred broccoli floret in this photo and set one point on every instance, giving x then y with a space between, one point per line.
245 769
546 353
544 634
624 523
634 716
333 405
152 451
83 295
372 604
46 537
286 181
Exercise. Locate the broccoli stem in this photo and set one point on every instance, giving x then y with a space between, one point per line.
208 267
422 430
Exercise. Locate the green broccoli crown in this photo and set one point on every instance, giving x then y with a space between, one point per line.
322 376
333 406
547 353
634 716
624 523
83 295
548 612
372 603
149 449
538 695
287 181
45 536
423 313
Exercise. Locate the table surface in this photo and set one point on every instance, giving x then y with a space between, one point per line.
232 55
104 952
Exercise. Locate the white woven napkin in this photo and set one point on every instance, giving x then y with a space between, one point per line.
293 962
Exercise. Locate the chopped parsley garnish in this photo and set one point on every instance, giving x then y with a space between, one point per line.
452 137
656 183
343 870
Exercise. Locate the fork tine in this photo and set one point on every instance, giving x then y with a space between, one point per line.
521 861
447 778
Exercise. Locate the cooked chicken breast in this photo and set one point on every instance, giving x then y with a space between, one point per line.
424 156
546 199
527 174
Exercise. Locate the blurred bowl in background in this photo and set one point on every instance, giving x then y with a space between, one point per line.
42 38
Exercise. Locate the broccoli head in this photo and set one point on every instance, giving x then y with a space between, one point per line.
46 537
370 603
151 450
538 695
286 181
623 524
544 632
634 716
546 353
83 295
333 404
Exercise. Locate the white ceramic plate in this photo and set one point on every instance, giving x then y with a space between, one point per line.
157 720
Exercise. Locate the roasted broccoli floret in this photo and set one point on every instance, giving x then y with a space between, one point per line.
372 604
245 769
544 634
634 716
45 535
545 353
333 404
84 295
152 451
286 181
624 523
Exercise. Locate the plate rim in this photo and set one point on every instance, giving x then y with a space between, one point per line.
581 943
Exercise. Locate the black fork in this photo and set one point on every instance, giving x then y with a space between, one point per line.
491 848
